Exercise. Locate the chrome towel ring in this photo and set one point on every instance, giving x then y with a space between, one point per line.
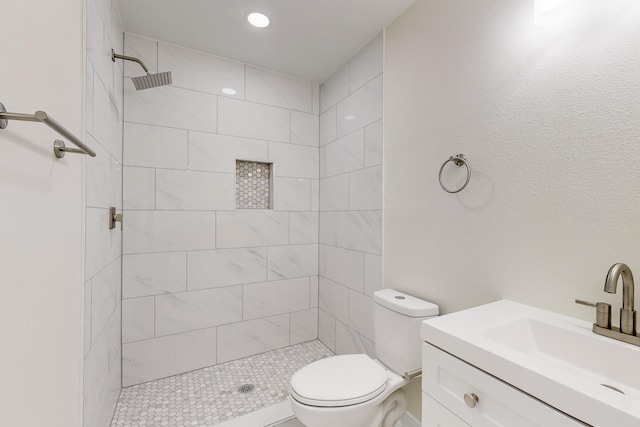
458 160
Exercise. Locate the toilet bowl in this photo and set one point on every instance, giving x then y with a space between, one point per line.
355 390
345 391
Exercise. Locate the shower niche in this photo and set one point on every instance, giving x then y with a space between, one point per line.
254 185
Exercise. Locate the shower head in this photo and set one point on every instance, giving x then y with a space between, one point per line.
152 80
148 81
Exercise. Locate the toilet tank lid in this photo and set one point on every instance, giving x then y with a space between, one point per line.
405 304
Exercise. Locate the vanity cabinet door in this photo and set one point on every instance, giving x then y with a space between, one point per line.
436 415
490 402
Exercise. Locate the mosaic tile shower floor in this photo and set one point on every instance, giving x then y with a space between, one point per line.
210 396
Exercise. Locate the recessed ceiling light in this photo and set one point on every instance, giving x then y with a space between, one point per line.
229 91
349 117
258 19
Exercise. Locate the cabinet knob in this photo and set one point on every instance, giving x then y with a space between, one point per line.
471 400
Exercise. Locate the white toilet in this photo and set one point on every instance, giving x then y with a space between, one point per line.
357 391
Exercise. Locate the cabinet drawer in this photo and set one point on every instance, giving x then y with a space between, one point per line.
447 379
436 415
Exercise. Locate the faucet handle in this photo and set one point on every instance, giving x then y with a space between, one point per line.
587 303
603 312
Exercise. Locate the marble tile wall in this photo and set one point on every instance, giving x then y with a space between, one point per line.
203 282
350 220
103 174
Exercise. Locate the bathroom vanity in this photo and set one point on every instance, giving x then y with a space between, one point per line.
508 364
453 390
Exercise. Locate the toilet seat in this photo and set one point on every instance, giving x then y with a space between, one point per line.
339 381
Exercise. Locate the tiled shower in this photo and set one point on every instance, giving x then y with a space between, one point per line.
102 367
351 201
213 268
205 282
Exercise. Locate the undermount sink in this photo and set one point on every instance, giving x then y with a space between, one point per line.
555 358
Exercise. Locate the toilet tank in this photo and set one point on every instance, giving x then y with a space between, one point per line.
397 319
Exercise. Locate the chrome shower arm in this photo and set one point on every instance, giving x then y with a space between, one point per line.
147 81
114 55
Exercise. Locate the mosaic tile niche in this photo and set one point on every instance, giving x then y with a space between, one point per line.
253 185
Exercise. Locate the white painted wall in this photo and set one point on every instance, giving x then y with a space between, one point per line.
41 267
549 118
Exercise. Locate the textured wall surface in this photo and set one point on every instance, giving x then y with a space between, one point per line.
204 282
351 201
103 187
549 119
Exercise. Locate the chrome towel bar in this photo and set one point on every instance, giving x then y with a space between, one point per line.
42 117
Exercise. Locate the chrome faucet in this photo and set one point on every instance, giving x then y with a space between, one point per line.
627 312
627 331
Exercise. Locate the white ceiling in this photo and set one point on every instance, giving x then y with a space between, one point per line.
309 39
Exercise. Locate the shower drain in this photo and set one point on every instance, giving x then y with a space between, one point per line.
246 388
